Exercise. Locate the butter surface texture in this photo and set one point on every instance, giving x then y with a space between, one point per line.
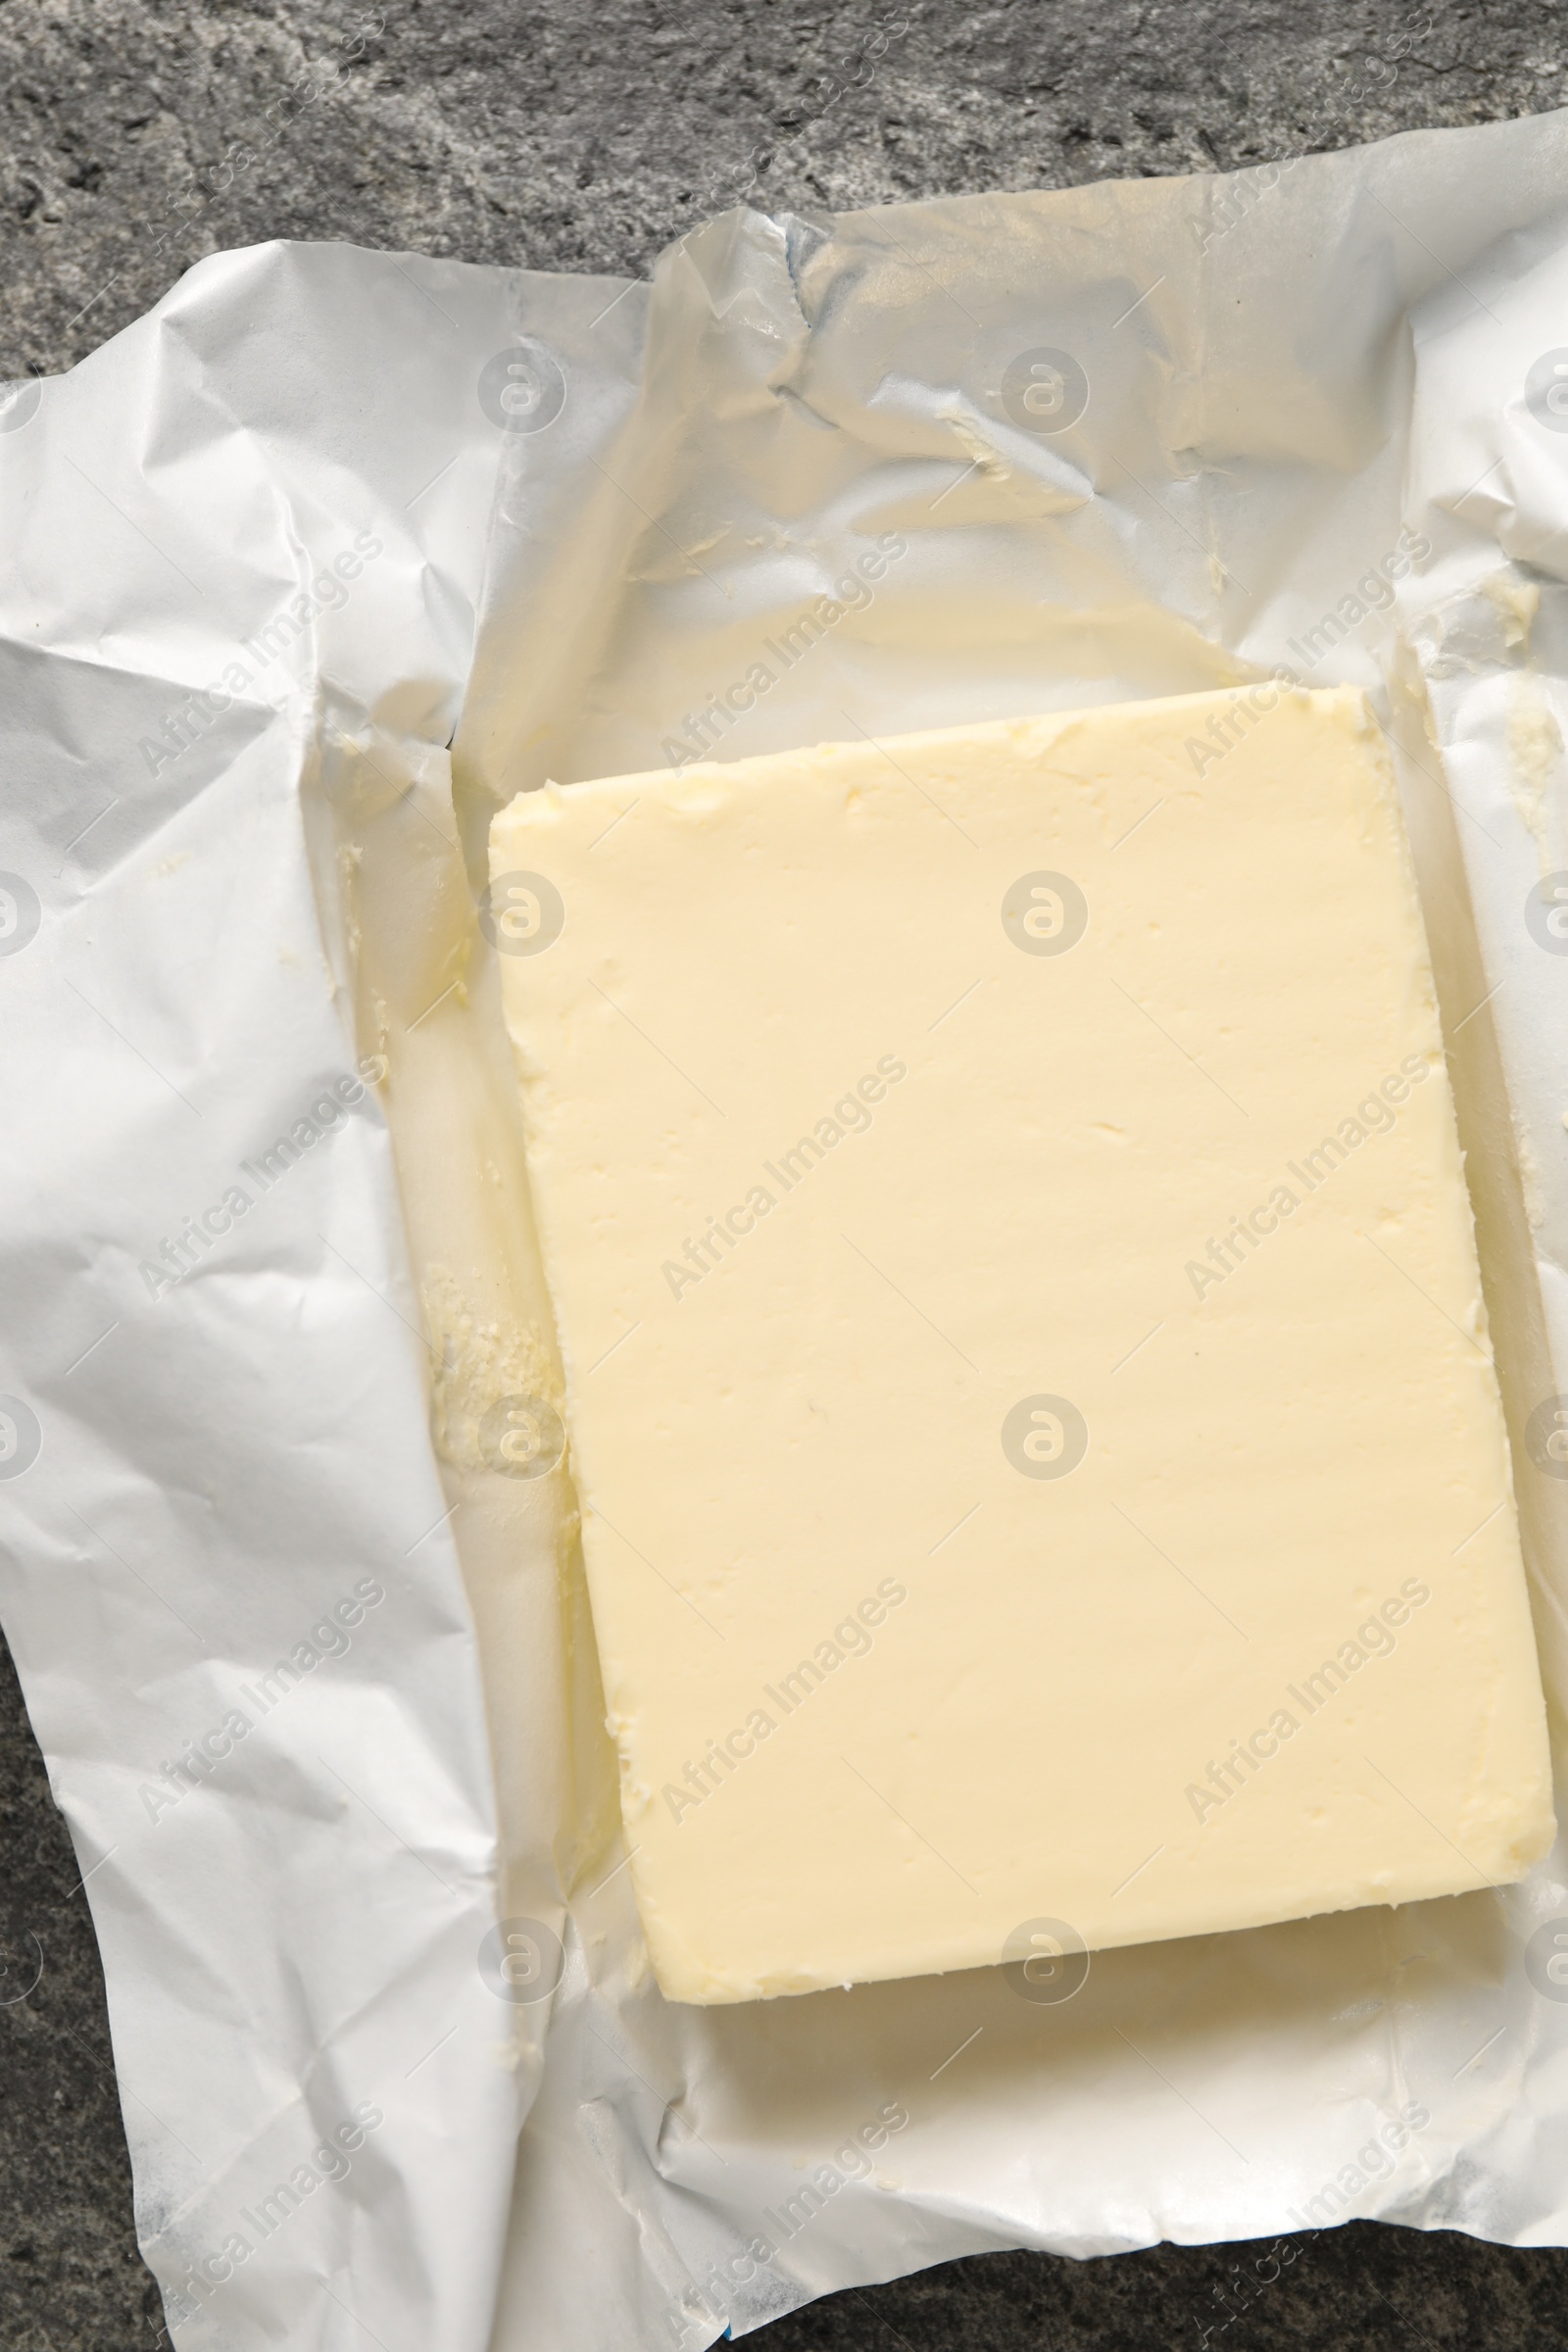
1042 1470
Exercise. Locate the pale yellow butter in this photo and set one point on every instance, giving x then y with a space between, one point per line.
1027 1380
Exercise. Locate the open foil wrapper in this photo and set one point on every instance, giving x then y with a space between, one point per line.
307 573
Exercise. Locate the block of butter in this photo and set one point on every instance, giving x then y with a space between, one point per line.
1044 1484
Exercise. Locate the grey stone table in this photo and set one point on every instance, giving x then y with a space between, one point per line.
137 136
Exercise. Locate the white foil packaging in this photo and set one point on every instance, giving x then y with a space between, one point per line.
308 573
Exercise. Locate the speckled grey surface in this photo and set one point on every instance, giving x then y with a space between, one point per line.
137 137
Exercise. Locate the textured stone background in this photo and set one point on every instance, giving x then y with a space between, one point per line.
135 137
